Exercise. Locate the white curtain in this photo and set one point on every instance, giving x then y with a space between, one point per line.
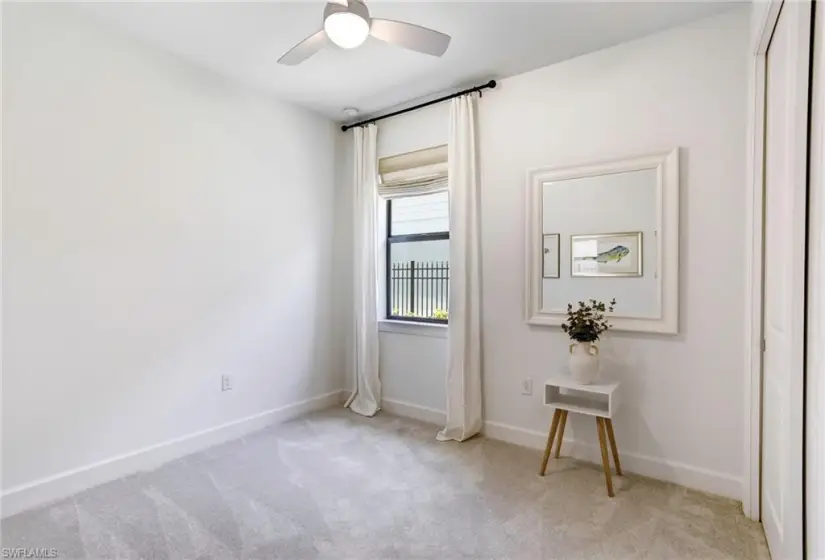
464 330
364 400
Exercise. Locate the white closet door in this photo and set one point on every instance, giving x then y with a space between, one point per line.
786 149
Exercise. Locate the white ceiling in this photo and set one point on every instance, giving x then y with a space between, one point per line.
243 40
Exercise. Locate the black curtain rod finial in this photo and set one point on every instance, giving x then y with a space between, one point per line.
489 85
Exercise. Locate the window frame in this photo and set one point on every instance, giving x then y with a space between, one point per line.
405 238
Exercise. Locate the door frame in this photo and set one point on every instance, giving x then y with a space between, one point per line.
815 375
764 16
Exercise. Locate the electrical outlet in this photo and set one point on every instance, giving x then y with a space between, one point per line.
226 383
527 386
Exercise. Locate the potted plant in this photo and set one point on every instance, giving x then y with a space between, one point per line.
585 325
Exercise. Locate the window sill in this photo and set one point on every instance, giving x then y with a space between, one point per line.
432 330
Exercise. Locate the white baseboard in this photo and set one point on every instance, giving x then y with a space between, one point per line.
415 411
62 485
697 478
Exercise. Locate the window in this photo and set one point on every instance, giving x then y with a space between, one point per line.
418 257
418 235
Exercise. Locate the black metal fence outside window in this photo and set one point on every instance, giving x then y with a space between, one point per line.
420 289
416 290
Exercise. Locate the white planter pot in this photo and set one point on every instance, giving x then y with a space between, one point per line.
584 362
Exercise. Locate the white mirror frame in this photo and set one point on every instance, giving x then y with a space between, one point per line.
666 165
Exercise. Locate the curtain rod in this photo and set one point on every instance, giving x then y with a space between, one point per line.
489 85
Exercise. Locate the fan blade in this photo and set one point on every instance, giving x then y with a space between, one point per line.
410 36
304 49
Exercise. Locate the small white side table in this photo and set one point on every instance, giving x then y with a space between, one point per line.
601 401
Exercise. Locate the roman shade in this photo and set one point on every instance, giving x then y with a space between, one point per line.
413 173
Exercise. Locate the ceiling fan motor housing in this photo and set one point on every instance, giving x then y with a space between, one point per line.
353 7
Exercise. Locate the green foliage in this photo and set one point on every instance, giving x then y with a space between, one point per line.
397 313
439 313
587 322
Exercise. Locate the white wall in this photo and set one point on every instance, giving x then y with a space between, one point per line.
161 228
685 88
682 418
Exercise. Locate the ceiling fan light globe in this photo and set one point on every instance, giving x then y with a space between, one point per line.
347 30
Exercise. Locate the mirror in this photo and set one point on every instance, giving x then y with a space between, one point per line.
602 231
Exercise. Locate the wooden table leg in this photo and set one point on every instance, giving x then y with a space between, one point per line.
553 427
563 422
609 424
600 427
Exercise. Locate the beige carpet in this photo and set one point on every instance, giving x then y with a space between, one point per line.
334 485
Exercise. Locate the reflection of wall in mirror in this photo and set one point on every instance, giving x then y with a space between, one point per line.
603 204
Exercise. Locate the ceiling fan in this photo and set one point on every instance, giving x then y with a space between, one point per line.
347 23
